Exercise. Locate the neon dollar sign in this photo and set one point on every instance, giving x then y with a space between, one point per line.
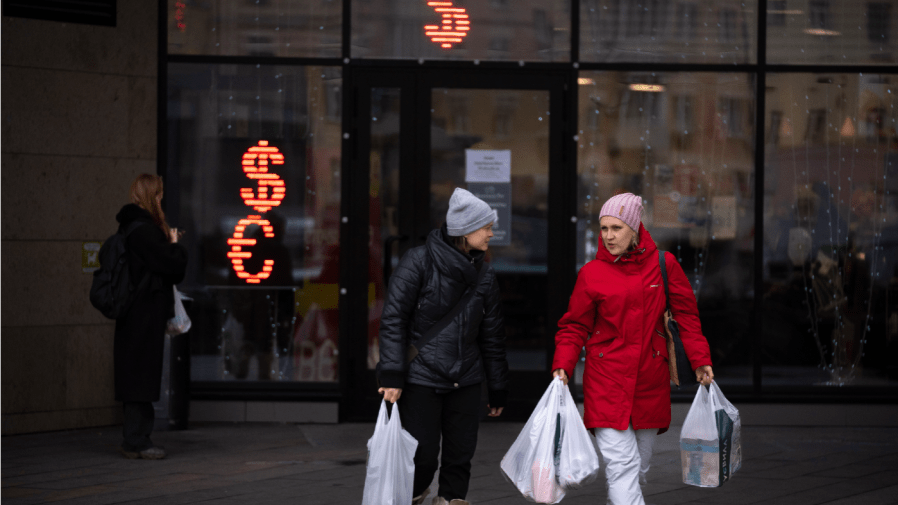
270 192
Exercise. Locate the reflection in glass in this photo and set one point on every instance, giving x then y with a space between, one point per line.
519 30
831 230
835 32
263 268
307 28
661 31
510 125
685 143
384 242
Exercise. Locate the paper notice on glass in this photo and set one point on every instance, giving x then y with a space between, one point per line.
498 196
483 165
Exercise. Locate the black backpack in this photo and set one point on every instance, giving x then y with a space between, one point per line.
112 291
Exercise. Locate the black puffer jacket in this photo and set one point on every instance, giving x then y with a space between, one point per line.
428 282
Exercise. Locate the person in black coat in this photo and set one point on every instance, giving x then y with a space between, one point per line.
156 262
440 387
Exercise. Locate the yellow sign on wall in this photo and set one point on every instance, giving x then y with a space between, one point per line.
90 256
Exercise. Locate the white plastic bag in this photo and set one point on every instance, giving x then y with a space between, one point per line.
181 322
578 464
530 463
710 441
391 467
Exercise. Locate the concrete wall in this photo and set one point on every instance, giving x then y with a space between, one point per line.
79 123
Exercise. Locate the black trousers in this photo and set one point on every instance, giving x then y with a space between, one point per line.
137 425
455 415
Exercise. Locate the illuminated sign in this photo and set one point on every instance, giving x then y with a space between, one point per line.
269 192
647 88
179 15
454 27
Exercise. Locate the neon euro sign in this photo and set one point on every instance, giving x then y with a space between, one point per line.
454 27
268 194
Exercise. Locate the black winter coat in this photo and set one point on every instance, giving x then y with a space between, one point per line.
427 284
140 333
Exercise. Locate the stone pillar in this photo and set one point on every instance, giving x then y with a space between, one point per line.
78 124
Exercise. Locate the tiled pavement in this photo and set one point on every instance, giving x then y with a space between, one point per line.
325 464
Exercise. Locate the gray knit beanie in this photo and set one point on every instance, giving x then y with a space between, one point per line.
467 213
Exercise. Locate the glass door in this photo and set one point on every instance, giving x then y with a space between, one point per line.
419 136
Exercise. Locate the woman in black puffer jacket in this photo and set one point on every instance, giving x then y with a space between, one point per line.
440 387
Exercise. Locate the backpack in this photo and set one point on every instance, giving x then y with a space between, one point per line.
112 291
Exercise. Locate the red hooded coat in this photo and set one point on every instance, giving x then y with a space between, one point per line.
616 312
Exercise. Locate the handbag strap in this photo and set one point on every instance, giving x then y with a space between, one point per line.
664 276
444 322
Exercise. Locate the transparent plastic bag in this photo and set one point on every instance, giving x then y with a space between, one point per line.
578 464
390 472
181 322
531 462
711 439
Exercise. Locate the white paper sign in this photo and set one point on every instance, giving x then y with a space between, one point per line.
482 165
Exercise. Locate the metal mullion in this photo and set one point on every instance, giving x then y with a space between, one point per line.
162 95
347 30
252 60
353 240
465 64
562 200
831 69
575 30
669 67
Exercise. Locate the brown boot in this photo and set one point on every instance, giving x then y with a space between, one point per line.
418 500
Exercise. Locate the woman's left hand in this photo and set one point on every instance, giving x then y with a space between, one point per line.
495 412
704 375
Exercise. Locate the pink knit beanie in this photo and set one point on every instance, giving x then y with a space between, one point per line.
626 206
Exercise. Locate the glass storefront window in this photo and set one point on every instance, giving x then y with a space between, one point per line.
255 154
308 28
489 30
659 31
831 230
685 143
509 129
832 32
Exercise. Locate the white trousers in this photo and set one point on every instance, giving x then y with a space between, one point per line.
626 456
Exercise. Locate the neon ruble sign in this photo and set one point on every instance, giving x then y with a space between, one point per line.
454 27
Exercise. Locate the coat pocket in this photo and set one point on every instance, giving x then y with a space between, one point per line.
659 344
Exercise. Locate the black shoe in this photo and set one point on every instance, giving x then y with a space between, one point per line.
128 453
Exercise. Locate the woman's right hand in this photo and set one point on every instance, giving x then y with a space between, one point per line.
390 394
560 373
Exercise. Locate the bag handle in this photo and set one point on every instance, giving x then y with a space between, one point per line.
440 325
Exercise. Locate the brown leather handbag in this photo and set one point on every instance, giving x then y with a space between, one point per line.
681 372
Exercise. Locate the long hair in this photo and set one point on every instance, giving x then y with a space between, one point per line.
461 243
145 191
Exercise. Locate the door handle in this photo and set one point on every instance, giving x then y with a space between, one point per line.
388 255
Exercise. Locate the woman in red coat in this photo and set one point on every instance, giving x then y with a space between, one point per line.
616 312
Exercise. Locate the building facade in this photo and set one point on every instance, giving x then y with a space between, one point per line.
307 145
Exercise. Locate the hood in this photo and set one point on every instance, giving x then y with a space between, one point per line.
645 249
452 262
131 213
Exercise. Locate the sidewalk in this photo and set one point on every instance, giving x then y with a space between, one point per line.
325 464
